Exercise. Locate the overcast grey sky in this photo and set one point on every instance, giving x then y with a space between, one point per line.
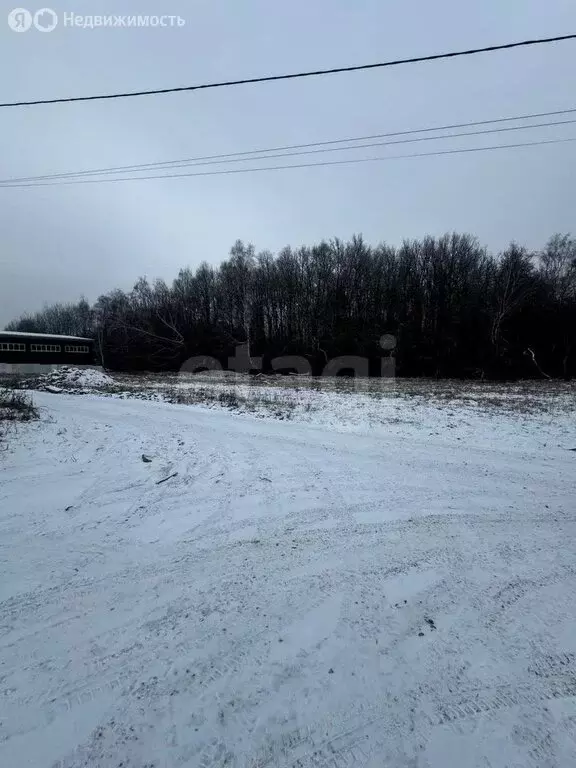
61 242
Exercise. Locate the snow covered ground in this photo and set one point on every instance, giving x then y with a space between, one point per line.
393 592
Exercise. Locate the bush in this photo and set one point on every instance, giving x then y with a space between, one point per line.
16 405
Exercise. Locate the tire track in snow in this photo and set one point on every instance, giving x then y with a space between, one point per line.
355 747
512 593
204 678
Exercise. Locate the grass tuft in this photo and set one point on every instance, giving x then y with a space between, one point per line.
16 405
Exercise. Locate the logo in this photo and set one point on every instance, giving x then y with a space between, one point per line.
45 20
20 20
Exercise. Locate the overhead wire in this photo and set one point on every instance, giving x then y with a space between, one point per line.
348 161
293 75
322 147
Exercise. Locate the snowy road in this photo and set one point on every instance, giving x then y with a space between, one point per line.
294 597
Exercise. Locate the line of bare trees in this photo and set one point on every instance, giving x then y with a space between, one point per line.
455 309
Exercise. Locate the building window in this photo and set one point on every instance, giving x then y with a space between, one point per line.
80 349
45 347
10 347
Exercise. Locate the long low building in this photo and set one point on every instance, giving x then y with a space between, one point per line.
22 352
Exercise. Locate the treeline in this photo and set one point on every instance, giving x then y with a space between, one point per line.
455 309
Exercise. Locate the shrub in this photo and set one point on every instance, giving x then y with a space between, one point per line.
16 405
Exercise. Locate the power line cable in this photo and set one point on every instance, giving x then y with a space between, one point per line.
299 165
294 75
234 157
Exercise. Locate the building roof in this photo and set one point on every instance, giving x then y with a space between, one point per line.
24 335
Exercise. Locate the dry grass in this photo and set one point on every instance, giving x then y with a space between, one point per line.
277 394
16 405
240 390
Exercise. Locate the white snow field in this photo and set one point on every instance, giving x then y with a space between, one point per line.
297 595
